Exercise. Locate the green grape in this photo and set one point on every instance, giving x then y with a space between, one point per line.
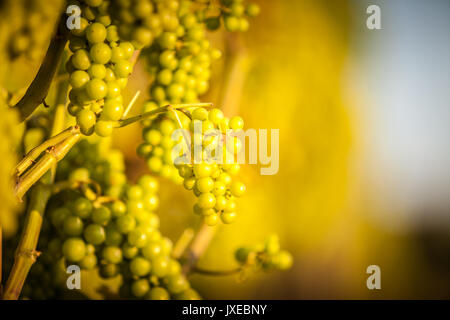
228 217
94 234
140 266
272 244
126 223
82 207
158 293
160 266
151 250
189 294
100 53
177 284
109 270
59 215
101 215
118 209
78 79
112 254
104 128
123 68
30 26
137 238
212 23
140 287
231 23
268 256
96 89
129 251
211 219
80 60
89 262
283 260
74 249
98 69
241 254
79 174
252 10
96 33
73 226
113 236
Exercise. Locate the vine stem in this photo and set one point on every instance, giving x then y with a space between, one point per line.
182 243
26 253
34 153
60 144
47 161
216 272
143 116
38 90
198 246
131 104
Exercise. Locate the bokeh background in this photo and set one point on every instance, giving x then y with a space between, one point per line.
364 155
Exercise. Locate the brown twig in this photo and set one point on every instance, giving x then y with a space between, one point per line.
38 90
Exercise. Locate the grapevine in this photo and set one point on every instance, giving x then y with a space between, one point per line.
80 206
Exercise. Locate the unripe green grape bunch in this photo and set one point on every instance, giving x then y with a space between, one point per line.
142 21
32 28
99 68
121 238
267 256
118 237
92 159
235 14
180 60
148 270
181 75
92 231
211 176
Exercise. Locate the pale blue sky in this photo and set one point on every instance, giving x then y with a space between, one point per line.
406 70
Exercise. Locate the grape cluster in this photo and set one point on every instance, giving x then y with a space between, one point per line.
142 21
93 160
117 237
267 256
180 61
235 13
36 21
148 270
209 168
181 74
99 68
157 146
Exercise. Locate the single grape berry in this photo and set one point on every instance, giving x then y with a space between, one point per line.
74 249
